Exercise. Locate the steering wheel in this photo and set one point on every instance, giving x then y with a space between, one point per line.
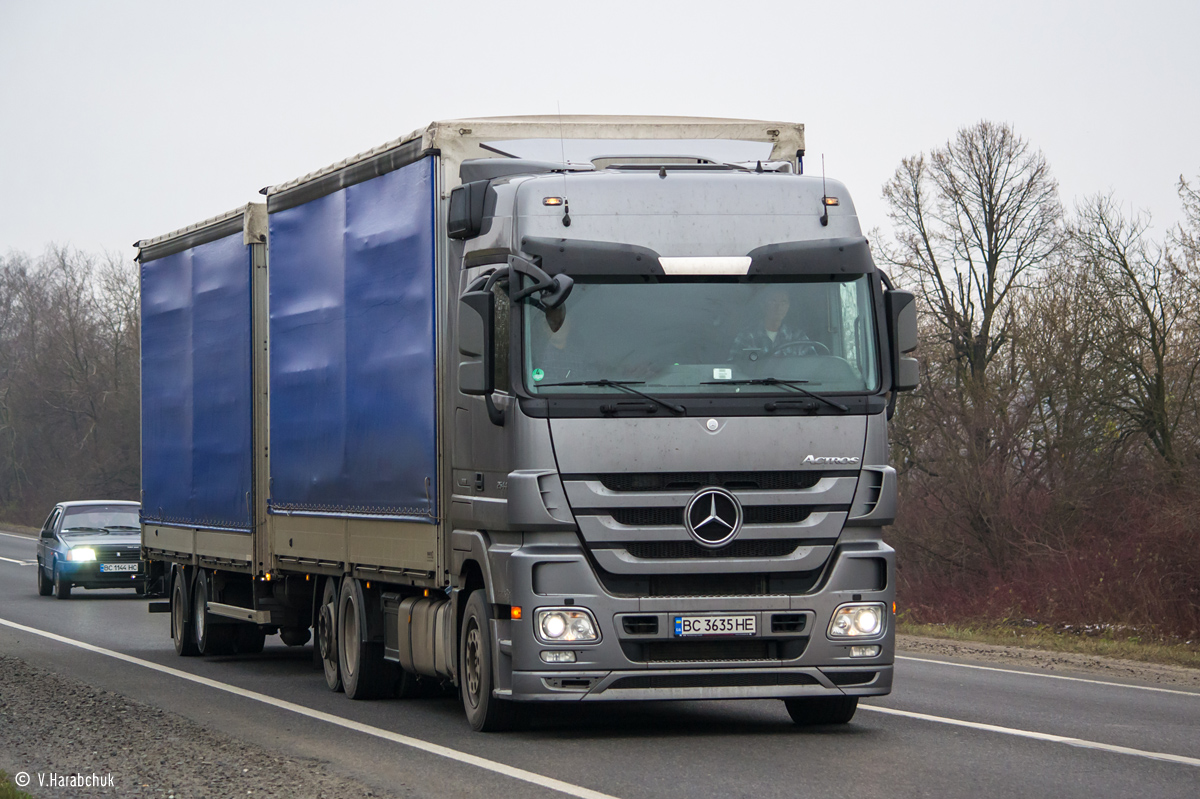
794 346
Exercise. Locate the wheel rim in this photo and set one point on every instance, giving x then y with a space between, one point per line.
350 636
199 616
177 613
325 632
472 657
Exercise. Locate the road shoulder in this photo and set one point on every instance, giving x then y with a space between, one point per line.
1056 662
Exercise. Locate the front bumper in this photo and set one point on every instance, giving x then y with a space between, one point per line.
625 665
90 574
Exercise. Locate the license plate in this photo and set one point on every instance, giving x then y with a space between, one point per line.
715 625
118 567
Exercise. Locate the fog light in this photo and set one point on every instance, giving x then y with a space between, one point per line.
79 554
857 620
559 657
860 651
556 625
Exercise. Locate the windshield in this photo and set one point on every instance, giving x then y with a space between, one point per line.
115 518
704 335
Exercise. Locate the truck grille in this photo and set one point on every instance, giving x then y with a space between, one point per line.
673 517
680 550
731 481
692 651
711 681
766 584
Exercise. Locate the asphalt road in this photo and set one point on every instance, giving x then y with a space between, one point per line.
947 730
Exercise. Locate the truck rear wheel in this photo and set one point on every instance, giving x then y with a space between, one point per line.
181 625
485 712
365 674
811 711
327 635
211 639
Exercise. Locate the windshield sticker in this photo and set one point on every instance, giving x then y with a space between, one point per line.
538 374
722 374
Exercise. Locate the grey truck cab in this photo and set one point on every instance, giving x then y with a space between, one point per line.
678 473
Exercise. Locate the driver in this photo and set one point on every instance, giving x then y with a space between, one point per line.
769 334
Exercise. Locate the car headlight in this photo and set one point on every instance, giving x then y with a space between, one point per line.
79 554
565 625
859 620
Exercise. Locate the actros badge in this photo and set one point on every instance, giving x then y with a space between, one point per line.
713 517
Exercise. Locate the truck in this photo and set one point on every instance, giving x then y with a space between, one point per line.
476 415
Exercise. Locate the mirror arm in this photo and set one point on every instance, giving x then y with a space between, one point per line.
496 415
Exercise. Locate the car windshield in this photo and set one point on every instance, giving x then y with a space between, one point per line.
97 518
704 335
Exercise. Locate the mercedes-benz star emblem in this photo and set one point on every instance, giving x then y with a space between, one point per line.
713 517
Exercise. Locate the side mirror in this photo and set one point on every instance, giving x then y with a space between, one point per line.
476 321
465 217
902 335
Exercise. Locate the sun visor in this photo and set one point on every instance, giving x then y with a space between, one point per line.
846 256
579 257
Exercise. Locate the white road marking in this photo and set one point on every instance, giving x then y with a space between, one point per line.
387 735
20 562
1194 694
1038 736
22 537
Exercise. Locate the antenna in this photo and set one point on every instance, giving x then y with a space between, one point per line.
566 220
824 198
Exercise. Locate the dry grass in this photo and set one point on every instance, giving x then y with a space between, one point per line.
1123 644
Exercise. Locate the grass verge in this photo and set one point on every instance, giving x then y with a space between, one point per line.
10 791
1126 645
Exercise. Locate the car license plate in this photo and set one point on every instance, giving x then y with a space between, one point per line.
118 567
715 625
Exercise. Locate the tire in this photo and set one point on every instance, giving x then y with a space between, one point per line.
365 674
45 584
62 586
811 711
249 639
181 621
211 639
485 712
326 647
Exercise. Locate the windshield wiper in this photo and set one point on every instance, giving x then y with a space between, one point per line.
623 385
83 529
794 385
121 527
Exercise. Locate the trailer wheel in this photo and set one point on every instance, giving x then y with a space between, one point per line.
45 584
327 635
811 711
365 674
211 639
181 625
62 586
485 712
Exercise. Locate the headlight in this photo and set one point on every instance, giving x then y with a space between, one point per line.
81 554
565 625
862 620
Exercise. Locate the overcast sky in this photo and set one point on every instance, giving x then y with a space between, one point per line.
125 120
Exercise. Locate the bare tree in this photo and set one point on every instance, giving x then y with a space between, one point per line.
1148 318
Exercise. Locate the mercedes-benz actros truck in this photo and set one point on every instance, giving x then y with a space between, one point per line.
543 409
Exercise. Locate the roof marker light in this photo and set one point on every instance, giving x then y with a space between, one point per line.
552 201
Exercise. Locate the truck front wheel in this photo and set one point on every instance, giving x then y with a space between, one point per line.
485 712
811 711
